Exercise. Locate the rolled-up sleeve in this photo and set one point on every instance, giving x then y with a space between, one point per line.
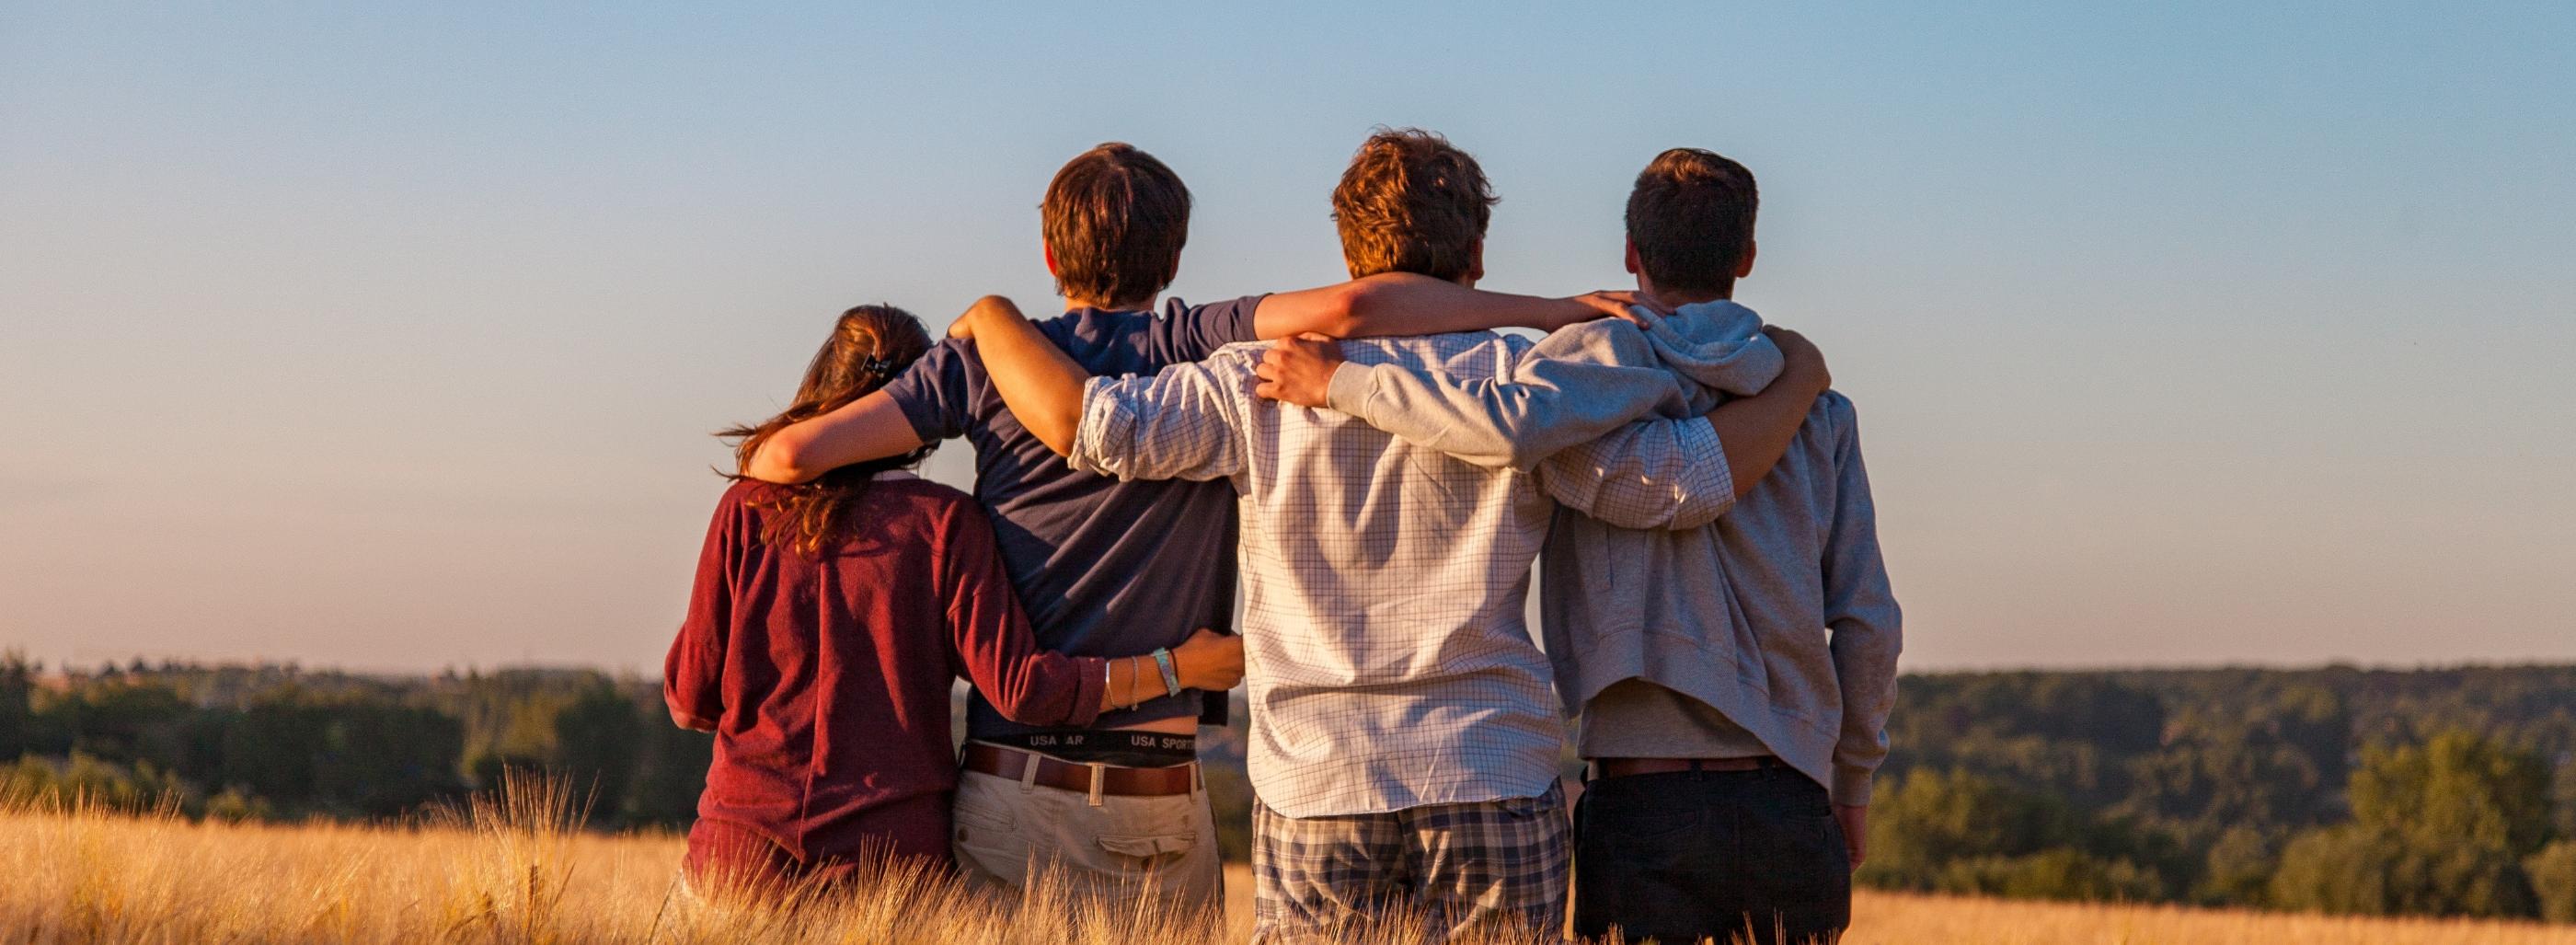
1653 475
1183 423
1860 609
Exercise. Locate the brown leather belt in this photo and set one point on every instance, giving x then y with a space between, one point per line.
1013 763
1623 767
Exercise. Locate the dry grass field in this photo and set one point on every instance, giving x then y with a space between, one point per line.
517 871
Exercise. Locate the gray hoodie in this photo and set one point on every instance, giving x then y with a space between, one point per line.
1778 615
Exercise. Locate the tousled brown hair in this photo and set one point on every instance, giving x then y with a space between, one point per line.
1115 219
1411 202
870 344
1691 219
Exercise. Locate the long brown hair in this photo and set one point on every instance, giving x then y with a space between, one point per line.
869 346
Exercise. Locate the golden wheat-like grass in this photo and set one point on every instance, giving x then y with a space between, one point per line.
516 868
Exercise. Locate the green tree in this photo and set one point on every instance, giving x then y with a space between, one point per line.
2440 828
2459 789
17 710
1933 818
598 740
2239 866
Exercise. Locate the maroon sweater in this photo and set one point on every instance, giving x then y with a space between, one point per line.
826 676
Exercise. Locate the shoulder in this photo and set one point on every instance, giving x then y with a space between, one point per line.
945 363
1603 340
909 509
1228 310
1601 331
1833 416
739 512
744 493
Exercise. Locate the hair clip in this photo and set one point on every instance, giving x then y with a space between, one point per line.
880 367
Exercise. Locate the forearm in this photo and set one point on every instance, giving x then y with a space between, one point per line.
871 427
1404 304
1573 387
1865 665
1132 681
1408 304
1040 384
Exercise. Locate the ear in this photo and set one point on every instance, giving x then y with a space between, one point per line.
1475 264
1050 257
1635 265
1744 267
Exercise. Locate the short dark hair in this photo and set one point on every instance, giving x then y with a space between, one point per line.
1691 219
1115 218
1411 202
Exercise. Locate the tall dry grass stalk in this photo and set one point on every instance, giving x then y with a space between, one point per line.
515 867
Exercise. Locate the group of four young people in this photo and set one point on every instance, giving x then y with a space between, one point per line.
1716 611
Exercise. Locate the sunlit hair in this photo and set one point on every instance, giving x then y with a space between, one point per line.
1411 202
869 346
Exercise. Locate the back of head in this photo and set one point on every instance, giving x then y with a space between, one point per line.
869 346
1412 202
1115 219
1691 220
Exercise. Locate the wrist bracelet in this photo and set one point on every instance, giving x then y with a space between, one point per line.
1171 676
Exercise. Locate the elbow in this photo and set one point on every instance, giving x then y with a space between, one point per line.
1692 516
781 459
1354 303
691 720
1058 437
1026 711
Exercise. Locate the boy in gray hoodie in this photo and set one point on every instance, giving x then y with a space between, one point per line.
1733 680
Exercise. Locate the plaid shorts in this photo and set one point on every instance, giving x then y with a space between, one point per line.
1487 871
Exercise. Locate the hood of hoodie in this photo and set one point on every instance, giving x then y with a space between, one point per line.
1720 345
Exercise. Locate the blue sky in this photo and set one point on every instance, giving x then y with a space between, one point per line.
390 337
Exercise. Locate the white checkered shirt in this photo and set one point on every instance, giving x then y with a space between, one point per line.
1387 661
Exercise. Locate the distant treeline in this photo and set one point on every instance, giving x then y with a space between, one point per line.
2441 792
2428 792
277 742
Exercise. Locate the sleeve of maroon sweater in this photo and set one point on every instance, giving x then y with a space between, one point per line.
693 674
990 642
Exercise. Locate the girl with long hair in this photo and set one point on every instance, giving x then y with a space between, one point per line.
827 623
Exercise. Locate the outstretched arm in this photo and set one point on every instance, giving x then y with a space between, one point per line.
1398 303
871 427
1554 405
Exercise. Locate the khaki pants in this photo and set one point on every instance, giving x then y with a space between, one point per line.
1009 833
